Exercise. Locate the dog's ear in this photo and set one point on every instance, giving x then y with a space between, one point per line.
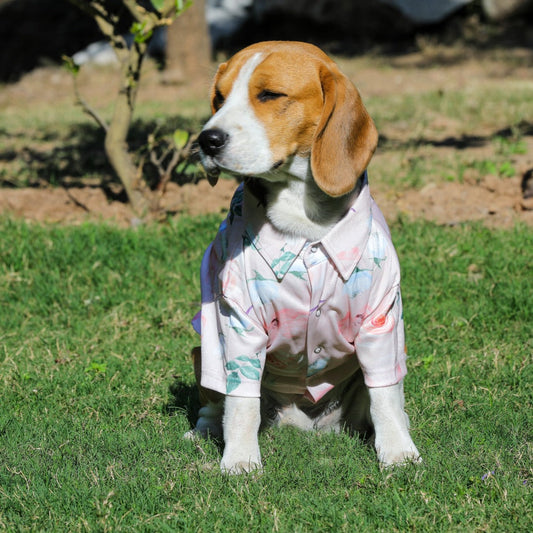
345 138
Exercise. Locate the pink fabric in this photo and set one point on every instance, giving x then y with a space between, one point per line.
298 317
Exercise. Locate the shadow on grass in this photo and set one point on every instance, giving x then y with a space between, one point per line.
75 157
184 399
462 142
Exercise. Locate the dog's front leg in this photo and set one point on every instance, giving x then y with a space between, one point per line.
391 425
242 418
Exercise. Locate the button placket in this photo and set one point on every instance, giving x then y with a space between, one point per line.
320 292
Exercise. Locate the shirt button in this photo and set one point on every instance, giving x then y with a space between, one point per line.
318 349
318 312
314 249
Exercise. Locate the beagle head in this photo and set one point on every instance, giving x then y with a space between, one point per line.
286 106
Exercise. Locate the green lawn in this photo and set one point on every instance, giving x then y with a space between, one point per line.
97 390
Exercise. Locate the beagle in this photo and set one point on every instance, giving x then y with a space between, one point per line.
301 321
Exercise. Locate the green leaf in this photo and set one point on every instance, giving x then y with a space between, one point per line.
182 5
139 32
232 365
490 168
252 360
68 64
507 170
297 273
250 373
158 4
233 382
180 138
96 368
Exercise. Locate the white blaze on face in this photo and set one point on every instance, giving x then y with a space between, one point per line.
247 150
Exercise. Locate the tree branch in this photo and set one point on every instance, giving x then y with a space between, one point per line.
87 108
137 12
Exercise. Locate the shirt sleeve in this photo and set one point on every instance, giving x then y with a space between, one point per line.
380 342
233 342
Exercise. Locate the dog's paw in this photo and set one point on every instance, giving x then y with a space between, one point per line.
192 434
209 424
241 461
396 455
241 467
292 416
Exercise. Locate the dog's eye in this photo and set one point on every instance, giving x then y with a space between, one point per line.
218 99
266 95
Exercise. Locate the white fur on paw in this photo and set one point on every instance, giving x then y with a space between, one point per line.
292 416
209 422
240 467
397 457
192 434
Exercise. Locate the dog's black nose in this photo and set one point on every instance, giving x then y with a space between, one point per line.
212 141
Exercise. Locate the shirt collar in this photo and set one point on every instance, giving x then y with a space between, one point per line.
344 243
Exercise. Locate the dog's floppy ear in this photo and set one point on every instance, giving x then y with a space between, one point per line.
345 138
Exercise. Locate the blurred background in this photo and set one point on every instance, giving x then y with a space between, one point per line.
39 32
449 84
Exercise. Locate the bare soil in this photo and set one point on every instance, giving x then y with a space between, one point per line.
495 202
498 202
74 205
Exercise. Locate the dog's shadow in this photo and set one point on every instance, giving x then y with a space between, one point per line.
185 400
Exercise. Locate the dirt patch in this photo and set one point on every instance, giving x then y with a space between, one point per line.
80 204
496 202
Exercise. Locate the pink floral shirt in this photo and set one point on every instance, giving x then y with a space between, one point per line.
300 317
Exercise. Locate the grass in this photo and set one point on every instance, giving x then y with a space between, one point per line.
443 135
97 389
473 108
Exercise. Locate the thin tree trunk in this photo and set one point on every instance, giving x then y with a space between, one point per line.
188 52
116 146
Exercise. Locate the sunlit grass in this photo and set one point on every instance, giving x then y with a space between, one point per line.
95 334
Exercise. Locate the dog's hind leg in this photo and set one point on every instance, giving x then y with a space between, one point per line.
209 423
290 415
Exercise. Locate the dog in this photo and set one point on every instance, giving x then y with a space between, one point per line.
301 321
